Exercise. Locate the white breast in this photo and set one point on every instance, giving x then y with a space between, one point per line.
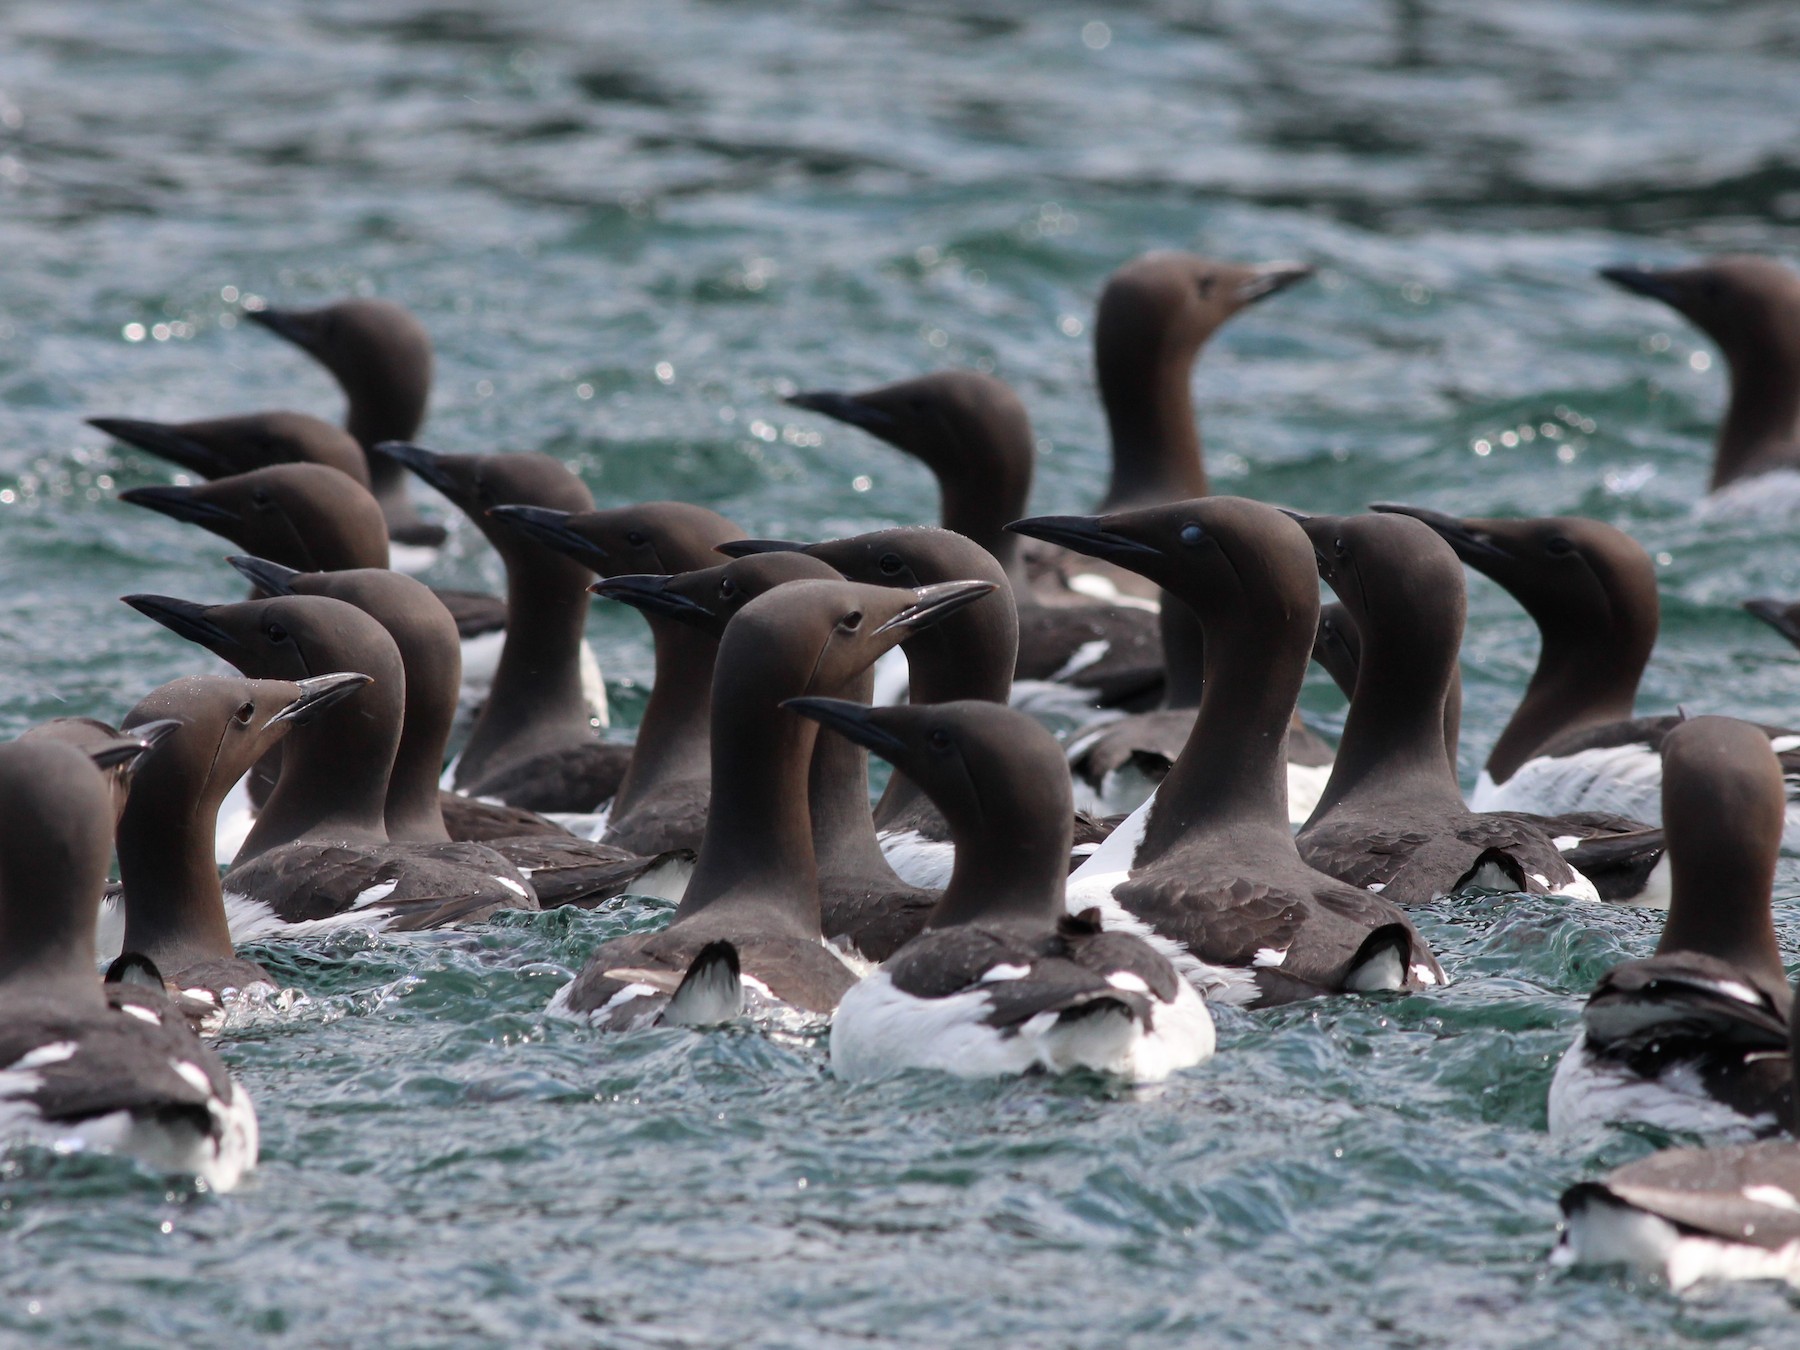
919 861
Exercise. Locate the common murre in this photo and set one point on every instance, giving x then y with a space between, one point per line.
1003 979
1209 866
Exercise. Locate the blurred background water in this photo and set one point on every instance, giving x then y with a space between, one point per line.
630 227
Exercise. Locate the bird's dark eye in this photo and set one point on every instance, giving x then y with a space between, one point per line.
1339 547
727 588
1204 286
851 621
1559 546
1192 534
636 538
260 497
940 739
276 633
891 564
245 712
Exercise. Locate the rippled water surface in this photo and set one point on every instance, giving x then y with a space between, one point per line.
630 227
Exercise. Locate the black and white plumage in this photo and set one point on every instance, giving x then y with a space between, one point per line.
1694 1038
77 1074
1691 1216
1002 980
755 883
1575 743
1392 817
1208 869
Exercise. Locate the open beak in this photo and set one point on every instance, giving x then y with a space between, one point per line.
271 578
743 548
188 620
845 408
853 721
165 442
551 528
179 503
1271 278
318 693
1471 546
1084 534
932 603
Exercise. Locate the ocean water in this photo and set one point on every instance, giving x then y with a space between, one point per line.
630 228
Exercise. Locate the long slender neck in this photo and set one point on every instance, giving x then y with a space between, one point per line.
1184 654
1155 439
1009 869
47 940
1719 905
675 737
334 775
1579 682
1232 773
980 511
1393 742
1763 413
843 828
536 702
971 654
413 811
174 905
757 851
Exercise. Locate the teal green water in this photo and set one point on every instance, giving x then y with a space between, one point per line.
629 228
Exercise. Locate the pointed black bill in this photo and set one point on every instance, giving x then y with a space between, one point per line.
743 548
427 464
319 693
651 594
188 620
1783 617
271 578
853 721
1470 545
153 734
287 325
550 528
179 503
1643 281
121 753
844 408
1272 279
163 441
932 603
1083 534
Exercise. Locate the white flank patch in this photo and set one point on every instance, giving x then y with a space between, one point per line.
250 920
1269 956
1609 1234
877 1031
1425 975
1772 1196
1087 654
511 885
142 1014
1218 984
1098 587
375 894
1588 1095
1004 972
192 1074
1564 842
51 1052
1624 779
1125 979
918 861
1376 886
